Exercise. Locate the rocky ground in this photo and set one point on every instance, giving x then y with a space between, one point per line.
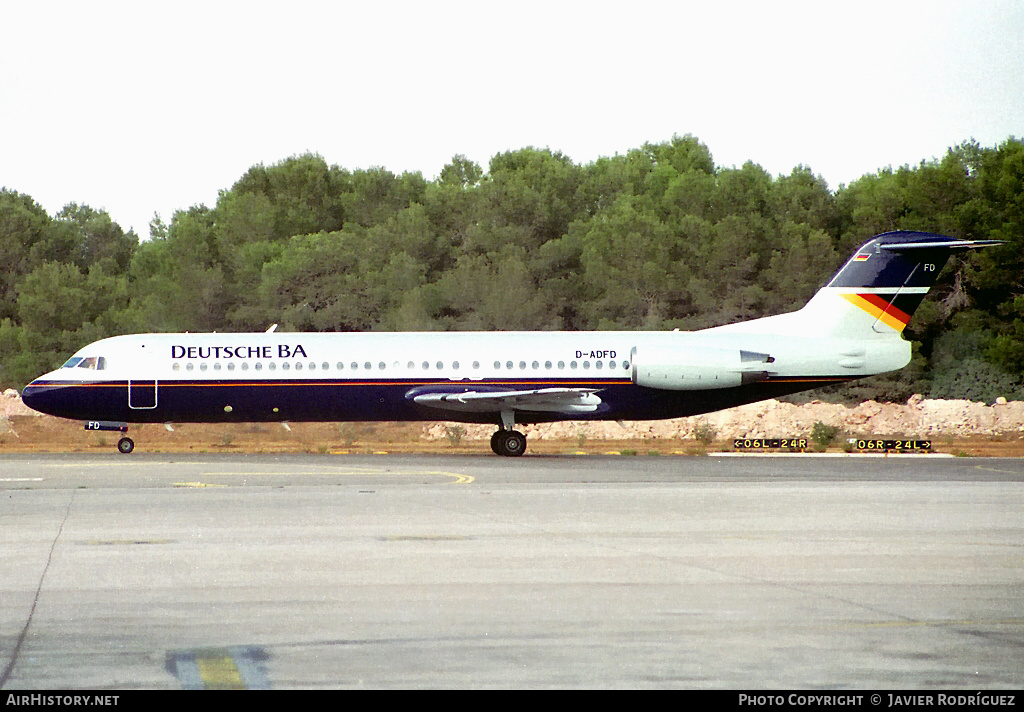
962 427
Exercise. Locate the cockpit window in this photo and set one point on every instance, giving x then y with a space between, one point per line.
72 362
96 363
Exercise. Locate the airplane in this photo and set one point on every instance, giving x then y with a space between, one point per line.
851 328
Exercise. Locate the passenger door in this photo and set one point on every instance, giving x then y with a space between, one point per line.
142 395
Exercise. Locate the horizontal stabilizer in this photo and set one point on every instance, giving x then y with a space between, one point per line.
944 244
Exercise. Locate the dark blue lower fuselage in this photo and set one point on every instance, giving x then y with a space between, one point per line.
325 400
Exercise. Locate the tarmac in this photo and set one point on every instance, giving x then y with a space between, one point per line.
323 571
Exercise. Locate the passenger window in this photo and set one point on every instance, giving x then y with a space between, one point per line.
245 366
497 365
561 364
440 366
258 366
476 364
536 365
367 366
202 366
284 366
231 365
382 365
176 366
355 366
271 366
426 366
298 366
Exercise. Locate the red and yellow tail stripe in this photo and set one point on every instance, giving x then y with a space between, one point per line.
881 308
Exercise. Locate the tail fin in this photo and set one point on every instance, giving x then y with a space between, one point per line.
887 279
876 292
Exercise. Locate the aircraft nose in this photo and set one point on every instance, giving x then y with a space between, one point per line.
30 395
39 395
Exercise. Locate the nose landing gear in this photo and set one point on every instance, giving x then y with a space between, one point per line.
125 445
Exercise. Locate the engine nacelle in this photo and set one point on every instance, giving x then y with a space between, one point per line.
689 368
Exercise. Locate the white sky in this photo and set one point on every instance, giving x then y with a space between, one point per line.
142 107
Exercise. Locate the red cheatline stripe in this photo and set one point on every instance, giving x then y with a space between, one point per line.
886 307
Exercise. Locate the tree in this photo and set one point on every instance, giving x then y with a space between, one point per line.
535 190
61 308
461 173
492 292
92 237
634 266
996 277
23 224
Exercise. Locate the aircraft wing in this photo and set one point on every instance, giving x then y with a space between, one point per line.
548 400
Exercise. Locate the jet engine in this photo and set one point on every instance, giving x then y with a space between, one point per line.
690 368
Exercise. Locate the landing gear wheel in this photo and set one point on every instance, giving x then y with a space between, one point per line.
509 443
125 445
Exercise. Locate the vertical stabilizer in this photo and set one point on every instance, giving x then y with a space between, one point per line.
885 281
875 293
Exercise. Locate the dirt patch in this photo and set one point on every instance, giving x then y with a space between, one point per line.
952 426
46 434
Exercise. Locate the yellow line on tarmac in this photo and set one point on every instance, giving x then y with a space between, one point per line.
938 623
994 469
218 671
460 478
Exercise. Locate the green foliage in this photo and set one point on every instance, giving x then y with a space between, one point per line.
23 226
976 380
959 372
655 238
454 433
704 432
822 435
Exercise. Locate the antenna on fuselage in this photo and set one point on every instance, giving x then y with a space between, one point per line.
272 328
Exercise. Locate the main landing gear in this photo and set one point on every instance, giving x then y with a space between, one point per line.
508 442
